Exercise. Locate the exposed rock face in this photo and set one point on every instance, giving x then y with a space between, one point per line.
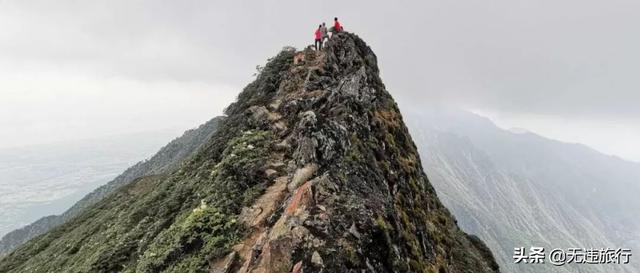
313 170
358 199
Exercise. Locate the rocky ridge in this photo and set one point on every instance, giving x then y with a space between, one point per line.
357 197
313 170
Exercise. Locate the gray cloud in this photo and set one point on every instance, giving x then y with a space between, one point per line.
565 58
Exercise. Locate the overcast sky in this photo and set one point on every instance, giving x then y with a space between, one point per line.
566 69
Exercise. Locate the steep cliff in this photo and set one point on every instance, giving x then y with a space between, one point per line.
313 170
522 190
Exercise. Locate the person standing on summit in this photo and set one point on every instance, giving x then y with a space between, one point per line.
318 42
337 27
323 30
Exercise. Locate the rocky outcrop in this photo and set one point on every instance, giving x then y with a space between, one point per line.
357 198
313 170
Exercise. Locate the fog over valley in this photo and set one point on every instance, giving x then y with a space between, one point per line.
563 69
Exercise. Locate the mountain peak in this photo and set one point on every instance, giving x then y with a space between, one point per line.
312 170
354 195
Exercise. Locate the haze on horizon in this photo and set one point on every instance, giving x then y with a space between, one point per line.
77 69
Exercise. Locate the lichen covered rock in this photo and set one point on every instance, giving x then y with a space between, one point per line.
358 198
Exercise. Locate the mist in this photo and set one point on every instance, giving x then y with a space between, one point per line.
74 70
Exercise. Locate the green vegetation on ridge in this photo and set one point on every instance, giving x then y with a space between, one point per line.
343 186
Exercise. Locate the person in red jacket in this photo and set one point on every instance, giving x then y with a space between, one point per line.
337 27
318 42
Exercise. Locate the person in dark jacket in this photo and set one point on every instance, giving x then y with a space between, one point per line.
318 42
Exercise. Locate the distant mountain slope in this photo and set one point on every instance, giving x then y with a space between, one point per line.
523 190
168 158
313 170
47 179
